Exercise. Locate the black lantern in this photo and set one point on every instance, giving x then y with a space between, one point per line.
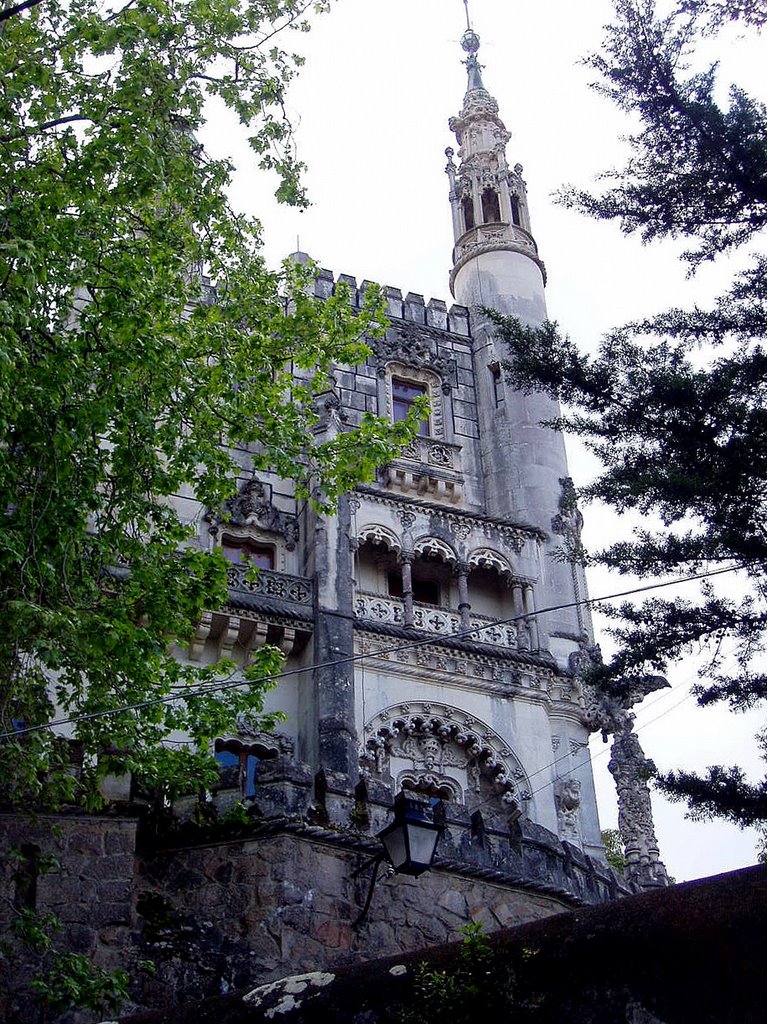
411 840
409 844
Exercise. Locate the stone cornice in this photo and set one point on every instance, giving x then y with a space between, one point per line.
495 246
523 530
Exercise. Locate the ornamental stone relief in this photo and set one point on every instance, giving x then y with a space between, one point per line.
415 346
567 797
442 749
253 507
379 536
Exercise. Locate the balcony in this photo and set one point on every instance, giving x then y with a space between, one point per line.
442 621
272 608
428 467
276 587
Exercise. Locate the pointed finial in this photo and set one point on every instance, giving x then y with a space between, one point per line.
470 45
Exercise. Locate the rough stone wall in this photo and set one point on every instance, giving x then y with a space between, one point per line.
91 893
224 914
691 953
221 917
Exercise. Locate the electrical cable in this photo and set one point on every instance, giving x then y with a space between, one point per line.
353 658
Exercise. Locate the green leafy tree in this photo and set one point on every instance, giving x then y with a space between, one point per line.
125 379
674 406
614 853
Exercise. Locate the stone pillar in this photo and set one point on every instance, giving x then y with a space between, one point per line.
532 621
631 770
462 571
407 587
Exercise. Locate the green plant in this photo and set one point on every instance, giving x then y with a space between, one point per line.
613 845
478 987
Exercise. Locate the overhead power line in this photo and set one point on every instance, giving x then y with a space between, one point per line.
431 640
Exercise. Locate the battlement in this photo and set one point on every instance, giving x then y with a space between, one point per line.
412 306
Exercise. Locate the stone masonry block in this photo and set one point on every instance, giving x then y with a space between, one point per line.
458 319
436 314
466 428
414 308
365 385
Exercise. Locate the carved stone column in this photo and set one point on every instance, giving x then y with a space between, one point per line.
407 586
631 770
462 571
532 621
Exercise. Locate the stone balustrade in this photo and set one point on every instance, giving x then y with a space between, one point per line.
267 583
442 621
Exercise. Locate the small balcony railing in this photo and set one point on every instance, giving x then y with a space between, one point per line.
442 621
279 586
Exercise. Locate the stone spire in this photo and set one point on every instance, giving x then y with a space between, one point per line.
488 198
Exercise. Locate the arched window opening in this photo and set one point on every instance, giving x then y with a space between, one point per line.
377 565
432 581
468 212
426 590
245 552
489 593
238 766
491 206
516 215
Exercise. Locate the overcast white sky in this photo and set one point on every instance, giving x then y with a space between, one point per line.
370 109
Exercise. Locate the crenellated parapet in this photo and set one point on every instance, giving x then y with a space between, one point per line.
411 307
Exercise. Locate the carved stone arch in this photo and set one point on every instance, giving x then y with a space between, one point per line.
427 744
380 536
434 389
487 558
433 547
431 784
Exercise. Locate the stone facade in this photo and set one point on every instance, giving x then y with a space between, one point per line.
435 643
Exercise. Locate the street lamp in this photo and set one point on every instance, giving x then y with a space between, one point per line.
409 844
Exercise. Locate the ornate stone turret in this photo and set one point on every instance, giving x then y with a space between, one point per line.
488 199
496 265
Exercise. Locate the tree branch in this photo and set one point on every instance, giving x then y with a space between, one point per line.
11 12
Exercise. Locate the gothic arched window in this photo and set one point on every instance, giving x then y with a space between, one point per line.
403 394
516 215
491 206
468 212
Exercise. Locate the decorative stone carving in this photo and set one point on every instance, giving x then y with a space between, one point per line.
568 522
278 742
407 518
379 536
440 455
280 585
486 558
432 547
567 795
460 529
631 771
426 744
253 507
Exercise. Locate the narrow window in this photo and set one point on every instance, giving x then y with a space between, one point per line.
243 552
468 212
404 395
515 213
491 206
495 370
